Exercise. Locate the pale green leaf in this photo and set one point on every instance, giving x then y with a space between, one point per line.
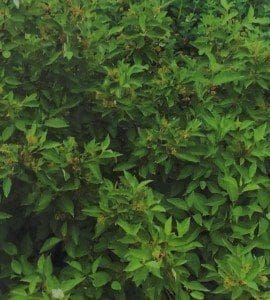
6 186
116 285
56 123
168 226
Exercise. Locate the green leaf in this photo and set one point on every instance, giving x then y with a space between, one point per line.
131 229
6 54
16 267
31 101
12 81
197 286
259 133
35 279
45 200
105 144
142 19
96 264
154 268
187 157
4 215
40 263
69 284
64 229
75 233
133 265
56 123
250 15
20 124
183 227
231 187
115 29
116 285
252 285
6 186
236 293
198 219
252 170
100 279
226 77
68 206
68 54
92 211
263 226
53 58
140 276
263 83
197 295
124 166
262 21
130 179
168 226
7 133
9 248
95 169
76 265
251 187
178 203
158 208
48 267
49 244
225 4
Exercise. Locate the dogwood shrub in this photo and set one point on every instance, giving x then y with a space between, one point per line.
134 149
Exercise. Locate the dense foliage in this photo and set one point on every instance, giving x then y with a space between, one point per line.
134 149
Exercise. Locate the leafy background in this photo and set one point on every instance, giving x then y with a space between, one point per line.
134 149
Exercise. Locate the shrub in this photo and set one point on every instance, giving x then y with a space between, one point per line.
134 149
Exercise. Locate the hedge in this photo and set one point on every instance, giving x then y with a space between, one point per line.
134 149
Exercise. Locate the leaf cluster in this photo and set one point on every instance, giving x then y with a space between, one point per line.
134 149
